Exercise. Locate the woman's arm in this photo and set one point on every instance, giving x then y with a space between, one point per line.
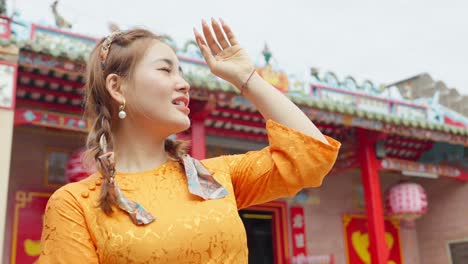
230 62
274 105
65 236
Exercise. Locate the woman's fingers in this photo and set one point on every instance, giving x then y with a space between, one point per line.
204 48
227 30
219 34
212 44
208 43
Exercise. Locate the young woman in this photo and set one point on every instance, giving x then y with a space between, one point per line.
152 203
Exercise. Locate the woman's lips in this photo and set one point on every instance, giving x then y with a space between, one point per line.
183 109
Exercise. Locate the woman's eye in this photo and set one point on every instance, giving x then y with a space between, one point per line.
165 69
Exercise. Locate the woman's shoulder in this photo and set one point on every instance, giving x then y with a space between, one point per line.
79 190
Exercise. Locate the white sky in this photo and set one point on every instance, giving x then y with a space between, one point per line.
380 40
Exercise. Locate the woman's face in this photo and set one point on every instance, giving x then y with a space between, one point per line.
159 98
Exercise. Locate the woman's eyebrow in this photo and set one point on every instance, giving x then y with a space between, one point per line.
168 61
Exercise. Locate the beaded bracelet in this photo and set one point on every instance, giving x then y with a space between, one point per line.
244 86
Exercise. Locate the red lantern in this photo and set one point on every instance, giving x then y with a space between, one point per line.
75 171
406 201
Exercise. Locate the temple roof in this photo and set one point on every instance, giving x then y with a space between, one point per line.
63 55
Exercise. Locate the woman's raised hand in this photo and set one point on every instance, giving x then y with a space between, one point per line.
223 54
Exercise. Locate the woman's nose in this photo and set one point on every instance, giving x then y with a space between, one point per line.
183 85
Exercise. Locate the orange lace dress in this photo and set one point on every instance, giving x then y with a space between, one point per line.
187 228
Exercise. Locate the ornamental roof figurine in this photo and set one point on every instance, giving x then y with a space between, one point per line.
60 21
267 54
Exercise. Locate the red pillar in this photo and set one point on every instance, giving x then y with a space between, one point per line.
373 195
200 110
198 139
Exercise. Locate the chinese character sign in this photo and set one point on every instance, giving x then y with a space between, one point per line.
27 226
298 232
357 240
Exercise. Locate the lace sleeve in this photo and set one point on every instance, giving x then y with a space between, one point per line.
65 236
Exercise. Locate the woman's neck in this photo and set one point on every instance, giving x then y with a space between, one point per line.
138 150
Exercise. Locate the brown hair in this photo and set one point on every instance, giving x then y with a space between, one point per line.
126 49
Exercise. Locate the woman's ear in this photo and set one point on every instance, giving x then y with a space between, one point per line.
114 87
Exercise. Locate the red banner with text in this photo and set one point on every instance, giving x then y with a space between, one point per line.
298 233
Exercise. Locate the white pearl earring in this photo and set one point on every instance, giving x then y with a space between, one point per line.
122 113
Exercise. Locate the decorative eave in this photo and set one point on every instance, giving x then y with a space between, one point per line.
401 153
62 64
393 164
50 77
35 47
32 82
342 114
32 117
